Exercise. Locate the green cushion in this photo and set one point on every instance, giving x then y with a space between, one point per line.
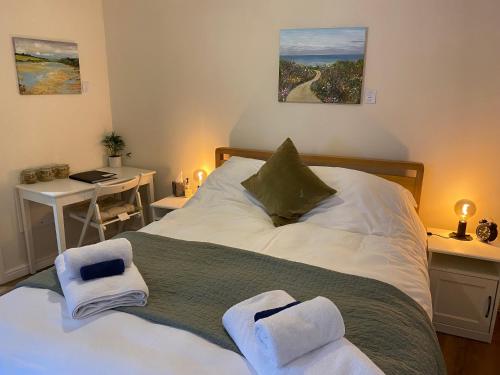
286 186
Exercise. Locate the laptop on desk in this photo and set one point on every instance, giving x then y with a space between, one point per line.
93 177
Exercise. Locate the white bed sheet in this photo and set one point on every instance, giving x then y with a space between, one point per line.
43 339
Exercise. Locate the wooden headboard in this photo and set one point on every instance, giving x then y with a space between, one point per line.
410 175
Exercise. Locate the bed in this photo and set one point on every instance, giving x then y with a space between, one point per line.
373 233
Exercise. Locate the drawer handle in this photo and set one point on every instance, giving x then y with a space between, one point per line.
489 307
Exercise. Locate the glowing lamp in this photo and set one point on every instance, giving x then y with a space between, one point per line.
199 176
464 209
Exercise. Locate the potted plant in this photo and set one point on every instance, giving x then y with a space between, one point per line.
114 145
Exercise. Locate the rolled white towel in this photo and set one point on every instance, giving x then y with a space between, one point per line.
298 330
78 257
87 298
337 357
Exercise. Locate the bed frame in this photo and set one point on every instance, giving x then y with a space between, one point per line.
410 175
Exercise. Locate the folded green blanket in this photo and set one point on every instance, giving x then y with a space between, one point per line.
192 284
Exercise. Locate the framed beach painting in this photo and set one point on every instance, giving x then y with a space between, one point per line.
46 67
322 65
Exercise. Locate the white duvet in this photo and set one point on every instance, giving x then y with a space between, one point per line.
368 229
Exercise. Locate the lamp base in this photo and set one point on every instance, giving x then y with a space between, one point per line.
465 237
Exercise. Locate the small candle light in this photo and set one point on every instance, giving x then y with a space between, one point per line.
464 209
199 176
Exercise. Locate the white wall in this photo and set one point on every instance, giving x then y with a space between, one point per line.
42 129
187 76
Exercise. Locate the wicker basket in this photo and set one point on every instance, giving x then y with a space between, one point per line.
28 176
61 170
46 173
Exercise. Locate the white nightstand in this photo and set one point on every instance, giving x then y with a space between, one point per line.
163 206
464 285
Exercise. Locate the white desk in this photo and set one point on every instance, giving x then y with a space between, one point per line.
59 193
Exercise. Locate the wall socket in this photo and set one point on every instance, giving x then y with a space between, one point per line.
46 219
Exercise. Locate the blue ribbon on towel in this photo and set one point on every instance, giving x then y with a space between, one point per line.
267 313
102 269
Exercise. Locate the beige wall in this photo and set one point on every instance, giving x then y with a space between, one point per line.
37 130
187 76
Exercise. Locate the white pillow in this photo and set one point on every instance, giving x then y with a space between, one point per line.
225 182
366 204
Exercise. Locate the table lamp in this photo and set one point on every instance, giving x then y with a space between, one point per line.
199 176
464 209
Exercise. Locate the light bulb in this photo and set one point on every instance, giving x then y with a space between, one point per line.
199 176
465 209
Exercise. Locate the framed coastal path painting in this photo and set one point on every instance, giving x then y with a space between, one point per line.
322 65
47 67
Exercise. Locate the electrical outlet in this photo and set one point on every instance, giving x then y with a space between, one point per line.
45 220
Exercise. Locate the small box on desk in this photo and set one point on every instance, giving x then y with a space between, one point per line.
178 189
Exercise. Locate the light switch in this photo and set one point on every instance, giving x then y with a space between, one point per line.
85 86
370 96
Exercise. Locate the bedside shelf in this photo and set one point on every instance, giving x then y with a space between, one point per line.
163 206
468 249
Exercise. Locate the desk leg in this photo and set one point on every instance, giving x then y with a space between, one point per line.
150 192
59 224
24 206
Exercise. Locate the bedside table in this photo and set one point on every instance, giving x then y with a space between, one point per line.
464 285
163 206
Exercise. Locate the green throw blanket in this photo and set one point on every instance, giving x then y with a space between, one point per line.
192 284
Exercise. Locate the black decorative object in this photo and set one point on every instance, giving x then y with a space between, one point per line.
487 231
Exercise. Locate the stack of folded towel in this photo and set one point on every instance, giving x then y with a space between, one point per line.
100 277
279 335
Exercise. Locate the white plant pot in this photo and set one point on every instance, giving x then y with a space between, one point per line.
115 161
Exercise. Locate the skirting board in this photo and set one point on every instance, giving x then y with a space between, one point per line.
1 268
23 269
480 336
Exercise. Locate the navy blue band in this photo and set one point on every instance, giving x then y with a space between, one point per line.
102 269
267 313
